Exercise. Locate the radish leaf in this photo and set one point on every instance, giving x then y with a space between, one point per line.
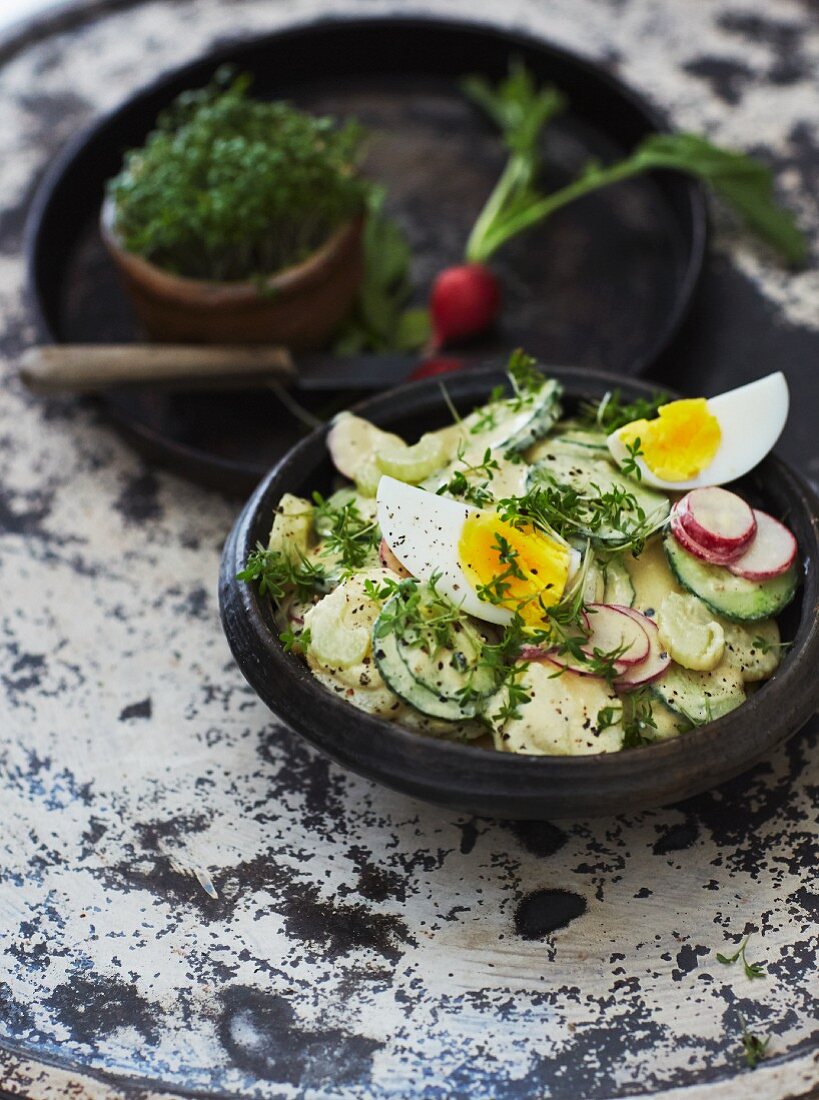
520 109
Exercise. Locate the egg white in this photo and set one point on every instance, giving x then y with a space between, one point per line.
423 531
751 419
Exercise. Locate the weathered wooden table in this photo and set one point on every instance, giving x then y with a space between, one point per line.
193 902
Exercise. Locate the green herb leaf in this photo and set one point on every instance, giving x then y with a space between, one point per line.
754 1048
348 535
638 719
608 716
743 183
379 321
752 970
611 412
629 465
413 329
568 512
279 575
520 110
518 107
727 960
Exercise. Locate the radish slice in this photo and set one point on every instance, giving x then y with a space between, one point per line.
772 552
718 521
390 561
610 628
690 544
655 664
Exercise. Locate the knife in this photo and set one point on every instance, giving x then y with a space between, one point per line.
86 368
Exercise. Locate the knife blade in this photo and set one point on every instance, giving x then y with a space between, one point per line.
324 371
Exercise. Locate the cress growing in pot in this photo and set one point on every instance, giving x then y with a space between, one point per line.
228 188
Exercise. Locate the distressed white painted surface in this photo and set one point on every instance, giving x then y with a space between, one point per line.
360 944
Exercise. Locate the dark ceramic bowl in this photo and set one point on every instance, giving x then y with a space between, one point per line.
482 781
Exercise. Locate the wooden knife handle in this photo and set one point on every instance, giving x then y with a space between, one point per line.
83 368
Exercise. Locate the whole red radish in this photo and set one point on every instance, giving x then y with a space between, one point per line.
464 301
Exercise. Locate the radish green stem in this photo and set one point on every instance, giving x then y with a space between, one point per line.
497 231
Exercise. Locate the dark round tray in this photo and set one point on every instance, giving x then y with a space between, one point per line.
606 283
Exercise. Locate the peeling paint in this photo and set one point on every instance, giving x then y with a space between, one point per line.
190 898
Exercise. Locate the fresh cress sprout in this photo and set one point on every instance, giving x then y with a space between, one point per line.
611 412
278 574
227 187
754 1048
348 535
752 970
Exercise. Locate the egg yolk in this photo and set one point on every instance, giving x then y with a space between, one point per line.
680 443
521 566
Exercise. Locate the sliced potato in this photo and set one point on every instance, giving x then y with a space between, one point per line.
563 717
291 533
754 650
690 632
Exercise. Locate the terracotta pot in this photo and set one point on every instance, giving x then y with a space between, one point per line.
300 306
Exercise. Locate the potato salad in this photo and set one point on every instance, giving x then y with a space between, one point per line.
539 581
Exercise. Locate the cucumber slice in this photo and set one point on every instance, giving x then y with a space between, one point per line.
733 597
586 440
617 587
502 427
450 681
700 696
399 679
543 415
450 670
588 474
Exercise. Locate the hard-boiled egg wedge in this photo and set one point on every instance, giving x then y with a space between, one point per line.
701 441
467 548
